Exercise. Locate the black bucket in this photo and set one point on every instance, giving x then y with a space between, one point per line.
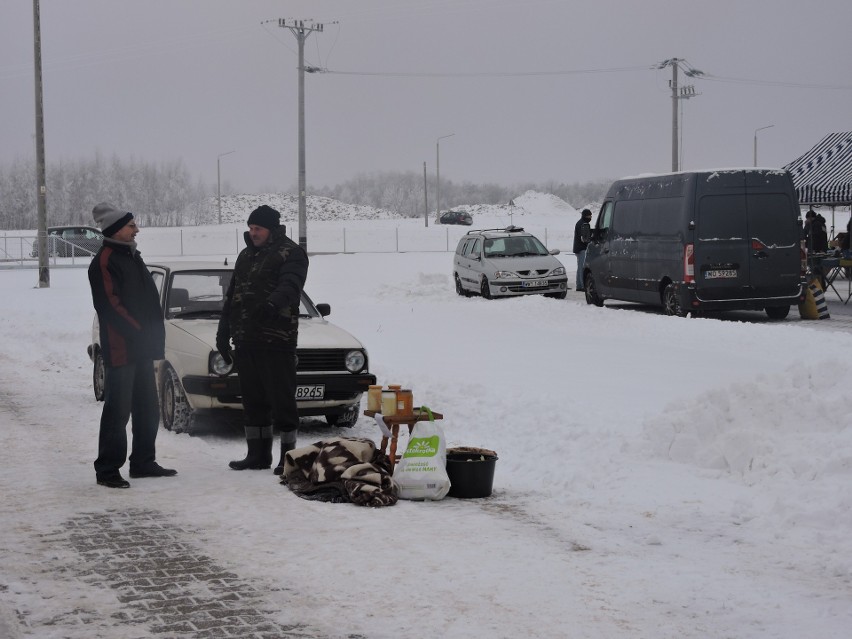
471 473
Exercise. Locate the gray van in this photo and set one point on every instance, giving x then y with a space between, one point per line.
728 239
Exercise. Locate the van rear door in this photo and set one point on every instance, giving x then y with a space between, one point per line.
746 239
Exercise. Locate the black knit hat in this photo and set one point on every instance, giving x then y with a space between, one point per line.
110 219
586 212
266 217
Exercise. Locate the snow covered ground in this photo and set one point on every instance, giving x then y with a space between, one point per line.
657 477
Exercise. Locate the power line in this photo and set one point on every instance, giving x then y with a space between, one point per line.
480 74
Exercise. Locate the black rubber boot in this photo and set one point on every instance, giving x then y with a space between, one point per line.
285 446
259 455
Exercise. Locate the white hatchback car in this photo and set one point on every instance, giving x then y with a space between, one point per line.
332 366
507 262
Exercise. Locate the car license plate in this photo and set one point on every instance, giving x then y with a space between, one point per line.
314 391
720 274
534 283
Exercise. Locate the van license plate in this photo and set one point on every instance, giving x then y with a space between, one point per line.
315 391
534 283
720 274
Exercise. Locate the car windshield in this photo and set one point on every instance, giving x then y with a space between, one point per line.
202 294
514 247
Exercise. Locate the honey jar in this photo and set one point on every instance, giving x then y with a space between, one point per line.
404 402
388 403
374 398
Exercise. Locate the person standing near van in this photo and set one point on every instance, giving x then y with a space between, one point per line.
582 236
133 335
816 234
261 315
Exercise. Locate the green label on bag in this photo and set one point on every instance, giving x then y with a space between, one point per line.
422 447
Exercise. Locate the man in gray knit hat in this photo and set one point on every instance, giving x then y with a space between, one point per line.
132 337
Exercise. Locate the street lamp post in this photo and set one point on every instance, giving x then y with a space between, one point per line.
768 126
219 184
438 174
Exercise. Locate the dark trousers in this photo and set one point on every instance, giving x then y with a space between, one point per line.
268 386
129 391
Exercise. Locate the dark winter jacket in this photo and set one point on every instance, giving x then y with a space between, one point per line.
128 305
816 234
262 304
582 235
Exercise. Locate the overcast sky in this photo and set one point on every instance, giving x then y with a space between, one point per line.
533 90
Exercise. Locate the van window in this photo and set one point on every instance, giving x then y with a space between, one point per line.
605 216
722 217
772 219
627 218
471 249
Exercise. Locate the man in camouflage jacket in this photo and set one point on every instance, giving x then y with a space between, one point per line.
261 316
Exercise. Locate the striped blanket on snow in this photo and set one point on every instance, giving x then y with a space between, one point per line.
341 469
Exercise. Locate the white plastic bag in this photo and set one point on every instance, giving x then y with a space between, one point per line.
422 471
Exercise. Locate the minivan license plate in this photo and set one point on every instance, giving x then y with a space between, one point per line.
314 391
720 274
534 283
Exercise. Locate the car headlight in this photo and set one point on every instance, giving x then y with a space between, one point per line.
355 361
501 275
218 365
560 270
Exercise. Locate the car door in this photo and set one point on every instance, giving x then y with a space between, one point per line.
468 263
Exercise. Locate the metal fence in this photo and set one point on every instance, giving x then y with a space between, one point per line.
20 249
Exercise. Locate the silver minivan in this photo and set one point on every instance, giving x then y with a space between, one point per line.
505 263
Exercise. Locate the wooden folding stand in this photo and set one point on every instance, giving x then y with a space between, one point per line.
393 422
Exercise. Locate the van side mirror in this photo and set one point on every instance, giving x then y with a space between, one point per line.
554 251
324 309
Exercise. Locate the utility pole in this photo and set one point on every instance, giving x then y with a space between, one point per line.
41 196
438 174
219 183
302 29
674 63
674 116
425 198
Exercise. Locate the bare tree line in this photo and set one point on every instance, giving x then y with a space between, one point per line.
403 192
165 194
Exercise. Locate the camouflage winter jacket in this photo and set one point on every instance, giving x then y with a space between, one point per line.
262 304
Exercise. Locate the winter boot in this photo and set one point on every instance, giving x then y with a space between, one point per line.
259 457
288 442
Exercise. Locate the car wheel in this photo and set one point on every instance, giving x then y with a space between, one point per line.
178 415
777 312
592 296
98 376
459 289
485 289
671 302
348 419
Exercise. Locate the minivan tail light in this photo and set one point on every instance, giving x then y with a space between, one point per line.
689 263
804 259
757 245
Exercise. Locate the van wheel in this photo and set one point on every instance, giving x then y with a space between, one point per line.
592 296
777 312
671 302
485 289
459 289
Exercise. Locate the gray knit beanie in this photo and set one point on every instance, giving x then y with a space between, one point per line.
109 219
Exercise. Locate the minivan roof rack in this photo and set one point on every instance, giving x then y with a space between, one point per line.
508 229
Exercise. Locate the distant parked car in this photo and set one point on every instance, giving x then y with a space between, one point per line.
507 262
332 369
71 241
456 217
